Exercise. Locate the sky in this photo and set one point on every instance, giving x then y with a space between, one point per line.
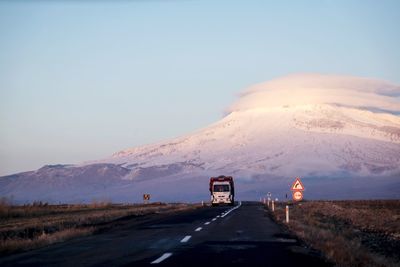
80 80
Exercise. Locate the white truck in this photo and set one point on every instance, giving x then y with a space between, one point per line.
222 190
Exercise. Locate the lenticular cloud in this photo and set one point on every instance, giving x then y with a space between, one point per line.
304 89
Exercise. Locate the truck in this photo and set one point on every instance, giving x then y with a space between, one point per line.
222 190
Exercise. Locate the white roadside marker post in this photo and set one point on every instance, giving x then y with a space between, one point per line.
202 203
287 214
273 206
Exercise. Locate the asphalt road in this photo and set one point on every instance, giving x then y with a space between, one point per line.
243 235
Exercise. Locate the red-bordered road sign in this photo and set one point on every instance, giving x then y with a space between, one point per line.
297 185
297 195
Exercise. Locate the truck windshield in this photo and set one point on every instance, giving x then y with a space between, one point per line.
221 188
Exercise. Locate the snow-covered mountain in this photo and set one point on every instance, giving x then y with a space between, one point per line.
282 141
320 127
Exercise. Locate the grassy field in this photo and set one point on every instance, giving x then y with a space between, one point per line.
349 233
37 225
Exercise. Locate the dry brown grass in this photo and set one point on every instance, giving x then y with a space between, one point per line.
349 233
13 245
33 226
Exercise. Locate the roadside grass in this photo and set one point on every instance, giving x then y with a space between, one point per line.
39 224
348 233
13 245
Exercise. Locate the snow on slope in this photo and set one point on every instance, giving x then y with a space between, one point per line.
309 125
281 141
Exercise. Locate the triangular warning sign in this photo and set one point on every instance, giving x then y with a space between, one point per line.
297 185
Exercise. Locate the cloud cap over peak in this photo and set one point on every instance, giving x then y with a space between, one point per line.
304 89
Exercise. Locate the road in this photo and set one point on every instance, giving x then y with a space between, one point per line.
243 235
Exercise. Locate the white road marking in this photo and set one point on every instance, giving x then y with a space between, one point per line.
163 257
186 239
232 209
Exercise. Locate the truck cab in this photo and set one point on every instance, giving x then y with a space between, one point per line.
222 190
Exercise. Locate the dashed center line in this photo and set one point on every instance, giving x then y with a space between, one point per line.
186 239
232 209
198 229
163 257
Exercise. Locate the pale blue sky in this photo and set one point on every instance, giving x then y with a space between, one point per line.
81 80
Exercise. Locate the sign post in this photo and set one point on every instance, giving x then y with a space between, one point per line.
297 189
146 198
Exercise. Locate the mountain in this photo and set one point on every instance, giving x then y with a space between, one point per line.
341 134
